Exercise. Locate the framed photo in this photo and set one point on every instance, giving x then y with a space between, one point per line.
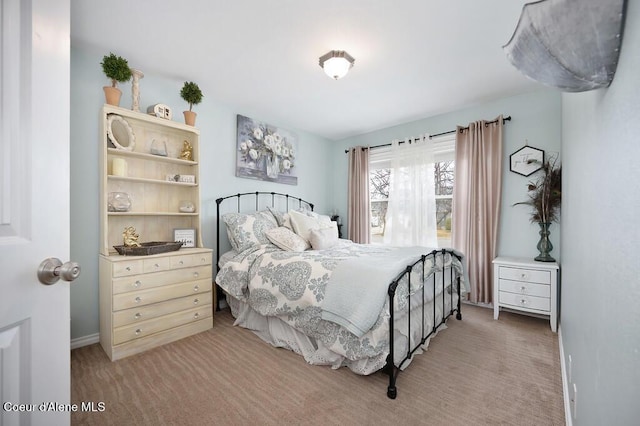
186 236
527 160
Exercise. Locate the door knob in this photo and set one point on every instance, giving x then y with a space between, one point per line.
52 269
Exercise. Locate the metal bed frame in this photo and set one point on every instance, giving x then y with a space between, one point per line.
390 368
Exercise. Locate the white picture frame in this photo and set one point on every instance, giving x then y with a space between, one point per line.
186 236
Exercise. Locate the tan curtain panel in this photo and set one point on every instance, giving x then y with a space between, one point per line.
476 202
358 221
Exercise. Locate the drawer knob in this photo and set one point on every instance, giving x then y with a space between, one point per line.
138 315
196 274
523 302
523 289
137 284
196 301
196 315
196 287
156 265
181 262
203 260
128 268
138 331
138 299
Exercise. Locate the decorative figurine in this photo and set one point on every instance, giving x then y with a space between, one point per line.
130 238
187 151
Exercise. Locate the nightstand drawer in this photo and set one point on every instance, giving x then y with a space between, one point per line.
525 301
523 287
527 275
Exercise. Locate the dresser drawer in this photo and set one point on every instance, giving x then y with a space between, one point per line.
146 328
159 294
143 313
523 287
127 267
145 281
188 260
156 264
527 275
525 301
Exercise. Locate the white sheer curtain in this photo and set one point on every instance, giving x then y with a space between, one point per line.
411 213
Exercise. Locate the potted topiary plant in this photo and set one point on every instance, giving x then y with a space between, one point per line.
191 93
117 69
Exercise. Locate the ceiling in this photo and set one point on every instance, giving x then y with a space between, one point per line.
414 58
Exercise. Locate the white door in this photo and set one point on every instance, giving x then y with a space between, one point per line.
34 210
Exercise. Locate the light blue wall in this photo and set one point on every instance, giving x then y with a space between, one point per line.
536 117
322 173
600 311
217 124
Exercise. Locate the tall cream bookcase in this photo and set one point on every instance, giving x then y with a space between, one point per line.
147 301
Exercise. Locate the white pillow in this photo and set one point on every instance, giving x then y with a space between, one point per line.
286 239
303 223
323 238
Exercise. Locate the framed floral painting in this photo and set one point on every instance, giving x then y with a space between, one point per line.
265 152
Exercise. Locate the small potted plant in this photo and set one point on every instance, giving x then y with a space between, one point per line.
117 69
193 95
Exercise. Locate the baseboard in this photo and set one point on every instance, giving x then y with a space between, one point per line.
565 384
79 342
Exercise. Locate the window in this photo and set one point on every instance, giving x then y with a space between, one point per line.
379 174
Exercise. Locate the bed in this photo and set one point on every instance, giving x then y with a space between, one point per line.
287 277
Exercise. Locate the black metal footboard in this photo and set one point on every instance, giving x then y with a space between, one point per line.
391 368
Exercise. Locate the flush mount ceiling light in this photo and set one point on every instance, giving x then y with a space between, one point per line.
337 63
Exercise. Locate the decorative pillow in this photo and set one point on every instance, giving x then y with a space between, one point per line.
325 219
323 238
284 219
286 239
248 229
303 223
280 216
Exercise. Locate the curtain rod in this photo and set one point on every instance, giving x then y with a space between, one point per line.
508 118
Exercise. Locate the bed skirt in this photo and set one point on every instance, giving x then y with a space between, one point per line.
278 333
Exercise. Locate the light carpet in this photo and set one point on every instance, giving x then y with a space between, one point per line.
476 372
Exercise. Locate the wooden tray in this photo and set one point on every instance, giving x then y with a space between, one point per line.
154 247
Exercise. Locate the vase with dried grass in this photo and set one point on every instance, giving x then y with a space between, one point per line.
545 195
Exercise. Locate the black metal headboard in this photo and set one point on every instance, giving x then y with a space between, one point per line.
262 200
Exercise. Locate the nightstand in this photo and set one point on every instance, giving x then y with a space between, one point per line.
336 219
525 285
